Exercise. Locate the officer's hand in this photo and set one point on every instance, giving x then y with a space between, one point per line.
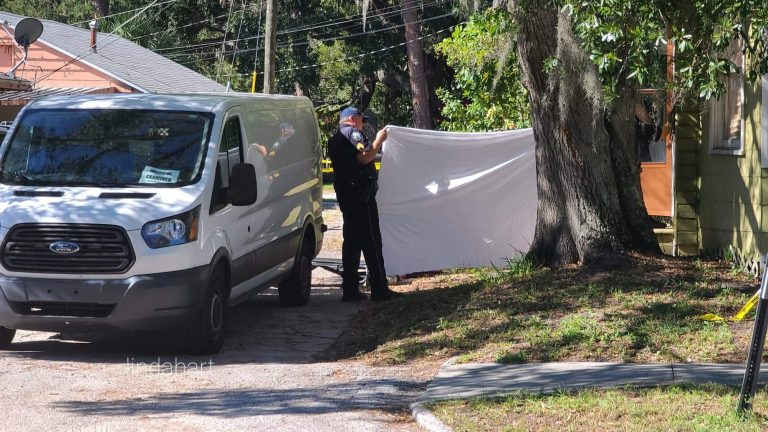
382 135
262 150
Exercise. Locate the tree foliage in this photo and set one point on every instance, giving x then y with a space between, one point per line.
317 39
627 41
486 92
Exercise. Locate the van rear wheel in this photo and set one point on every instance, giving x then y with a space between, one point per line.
206 331
6 337
294 290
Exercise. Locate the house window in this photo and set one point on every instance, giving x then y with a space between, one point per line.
727 112
649 120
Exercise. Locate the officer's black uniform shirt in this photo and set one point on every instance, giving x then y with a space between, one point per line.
343 148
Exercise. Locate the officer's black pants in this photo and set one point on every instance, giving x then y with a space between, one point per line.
362 233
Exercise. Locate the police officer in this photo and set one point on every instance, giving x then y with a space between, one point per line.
355 182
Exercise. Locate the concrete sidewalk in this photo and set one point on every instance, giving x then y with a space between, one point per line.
493 379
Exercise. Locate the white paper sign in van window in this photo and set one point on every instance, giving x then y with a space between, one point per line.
157 175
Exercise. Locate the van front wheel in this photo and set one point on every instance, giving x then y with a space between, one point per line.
6 337
294 290
206 331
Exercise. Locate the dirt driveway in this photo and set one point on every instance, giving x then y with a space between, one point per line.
264 378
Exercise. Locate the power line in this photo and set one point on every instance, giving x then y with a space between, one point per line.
119 13
397 10
371 52
258 35
215 53
180 27
369 32
89 50
393 10
240 27
194 47
354 22
150 76
224 42
367 53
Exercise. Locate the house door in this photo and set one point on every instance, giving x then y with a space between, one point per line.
654 151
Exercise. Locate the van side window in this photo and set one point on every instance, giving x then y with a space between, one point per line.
230 154
231 144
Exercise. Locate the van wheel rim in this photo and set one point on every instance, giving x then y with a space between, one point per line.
217 313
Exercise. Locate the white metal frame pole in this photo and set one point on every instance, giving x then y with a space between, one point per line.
756 346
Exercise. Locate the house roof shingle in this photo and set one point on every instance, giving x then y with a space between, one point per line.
130 63
22 97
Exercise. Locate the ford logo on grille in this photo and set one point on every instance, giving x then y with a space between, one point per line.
64 247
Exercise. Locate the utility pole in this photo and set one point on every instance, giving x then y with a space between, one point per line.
270 42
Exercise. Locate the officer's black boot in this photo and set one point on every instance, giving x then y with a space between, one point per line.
353 296
385 294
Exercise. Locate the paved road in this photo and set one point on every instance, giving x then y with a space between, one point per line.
264 379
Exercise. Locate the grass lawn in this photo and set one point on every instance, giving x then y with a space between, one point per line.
644 313
328 188
673 408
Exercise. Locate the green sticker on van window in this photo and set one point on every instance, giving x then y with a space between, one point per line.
152 175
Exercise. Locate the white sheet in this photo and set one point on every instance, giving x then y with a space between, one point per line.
450 200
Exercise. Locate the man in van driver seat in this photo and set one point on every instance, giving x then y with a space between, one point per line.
355 182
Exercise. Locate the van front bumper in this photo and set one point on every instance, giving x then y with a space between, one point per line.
145 302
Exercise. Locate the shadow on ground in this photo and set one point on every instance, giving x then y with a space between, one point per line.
645 312
260 331
375 394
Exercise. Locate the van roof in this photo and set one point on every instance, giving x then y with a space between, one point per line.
205 102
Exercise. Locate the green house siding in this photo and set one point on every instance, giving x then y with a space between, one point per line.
685 224
733 191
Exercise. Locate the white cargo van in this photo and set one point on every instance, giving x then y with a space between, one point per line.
156 211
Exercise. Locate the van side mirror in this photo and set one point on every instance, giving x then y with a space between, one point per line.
242 184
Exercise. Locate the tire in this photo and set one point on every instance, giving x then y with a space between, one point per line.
206 331
294 290
6 337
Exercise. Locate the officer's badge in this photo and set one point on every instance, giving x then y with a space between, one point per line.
357 136
360 146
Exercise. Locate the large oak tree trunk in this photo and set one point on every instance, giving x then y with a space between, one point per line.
590 206
419 90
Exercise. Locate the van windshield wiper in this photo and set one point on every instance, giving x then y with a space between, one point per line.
16 177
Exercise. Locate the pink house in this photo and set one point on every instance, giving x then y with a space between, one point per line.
114 65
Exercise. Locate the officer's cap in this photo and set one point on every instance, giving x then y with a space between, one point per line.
352 111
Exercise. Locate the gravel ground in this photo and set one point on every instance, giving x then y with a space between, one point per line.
264 378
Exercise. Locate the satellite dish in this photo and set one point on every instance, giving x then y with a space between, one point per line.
27 31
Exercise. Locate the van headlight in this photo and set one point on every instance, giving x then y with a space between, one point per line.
172 231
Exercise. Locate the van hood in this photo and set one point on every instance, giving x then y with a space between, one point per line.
129 208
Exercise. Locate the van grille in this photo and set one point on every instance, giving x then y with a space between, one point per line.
83 310
103 249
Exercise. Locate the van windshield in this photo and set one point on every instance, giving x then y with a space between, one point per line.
103 147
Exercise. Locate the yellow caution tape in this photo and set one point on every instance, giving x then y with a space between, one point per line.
327 169
327 166
711 317
740 315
